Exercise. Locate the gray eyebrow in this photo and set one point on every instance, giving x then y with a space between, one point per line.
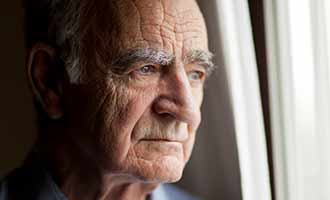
126 59
130 57
201 57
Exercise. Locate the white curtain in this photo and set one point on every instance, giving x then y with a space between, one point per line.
298 52
239 55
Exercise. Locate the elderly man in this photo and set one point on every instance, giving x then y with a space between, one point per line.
118 86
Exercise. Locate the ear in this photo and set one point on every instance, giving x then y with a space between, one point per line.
44 75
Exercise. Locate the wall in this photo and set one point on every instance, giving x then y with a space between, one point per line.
16 119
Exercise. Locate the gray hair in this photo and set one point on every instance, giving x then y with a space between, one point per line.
56 22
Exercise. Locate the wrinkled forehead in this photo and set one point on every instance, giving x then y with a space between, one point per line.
174 26
170 25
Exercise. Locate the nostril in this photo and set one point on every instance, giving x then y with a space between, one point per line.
164 109
169 109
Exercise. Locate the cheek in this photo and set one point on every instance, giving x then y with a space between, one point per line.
188 146
119 119
198 95
137 104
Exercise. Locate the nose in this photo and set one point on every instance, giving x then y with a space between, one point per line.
177 100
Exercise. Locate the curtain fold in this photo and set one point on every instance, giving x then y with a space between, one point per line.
298 60
239 56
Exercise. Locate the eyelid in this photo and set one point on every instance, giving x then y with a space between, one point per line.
138 71
202 67
152 69
201 73
142 64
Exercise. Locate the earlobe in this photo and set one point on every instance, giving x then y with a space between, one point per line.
44 79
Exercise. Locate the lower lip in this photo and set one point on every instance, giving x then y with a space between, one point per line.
163 143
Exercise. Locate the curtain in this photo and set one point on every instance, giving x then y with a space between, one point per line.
298 65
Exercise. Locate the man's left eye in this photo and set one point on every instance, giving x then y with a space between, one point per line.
195 75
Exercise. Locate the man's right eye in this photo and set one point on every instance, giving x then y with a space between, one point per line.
146 70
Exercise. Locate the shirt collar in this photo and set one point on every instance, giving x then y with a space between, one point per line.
44 187
159 194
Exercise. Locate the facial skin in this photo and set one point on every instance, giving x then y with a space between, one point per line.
135 116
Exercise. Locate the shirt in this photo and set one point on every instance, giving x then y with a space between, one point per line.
33 182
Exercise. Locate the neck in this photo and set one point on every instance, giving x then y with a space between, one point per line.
111 187
78 178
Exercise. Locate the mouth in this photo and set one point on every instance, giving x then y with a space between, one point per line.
162 137
160 140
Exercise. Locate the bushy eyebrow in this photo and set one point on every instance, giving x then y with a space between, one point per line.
203 58
126 59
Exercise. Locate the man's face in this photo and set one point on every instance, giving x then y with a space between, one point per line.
142 121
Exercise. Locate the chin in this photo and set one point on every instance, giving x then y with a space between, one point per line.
166 169
170 169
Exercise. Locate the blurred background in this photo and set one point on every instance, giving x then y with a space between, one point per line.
17 121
